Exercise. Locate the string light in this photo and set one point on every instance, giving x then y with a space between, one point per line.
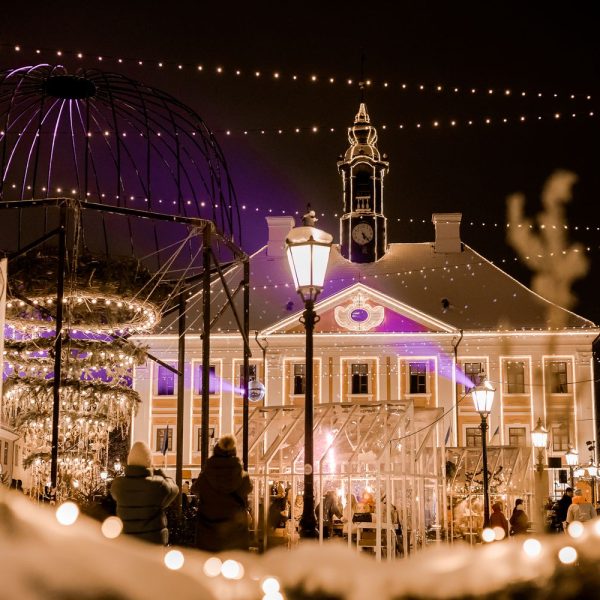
384 83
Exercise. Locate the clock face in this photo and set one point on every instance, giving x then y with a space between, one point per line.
362 233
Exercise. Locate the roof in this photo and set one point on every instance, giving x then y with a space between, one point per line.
420 290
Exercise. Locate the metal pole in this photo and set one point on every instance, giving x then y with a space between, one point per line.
308 521
245 408
206 258
572 476
60 290
486 500
180 391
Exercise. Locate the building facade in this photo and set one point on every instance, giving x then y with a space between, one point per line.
398 321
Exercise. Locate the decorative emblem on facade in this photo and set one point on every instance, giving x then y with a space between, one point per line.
359 315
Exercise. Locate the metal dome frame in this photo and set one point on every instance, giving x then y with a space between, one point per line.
25 94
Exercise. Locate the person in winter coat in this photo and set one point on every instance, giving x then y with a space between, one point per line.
580 510
519 522
222 494
142 496
331 509
497 518
562 506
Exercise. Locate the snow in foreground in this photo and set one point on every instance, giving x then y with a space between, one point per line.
41 558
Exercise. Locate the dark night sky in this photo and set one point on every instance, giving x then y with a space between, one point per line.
466 169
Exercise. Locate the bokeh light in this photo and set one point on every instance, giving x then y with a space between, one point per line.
499 533
575 529
488 535
532 547
112 527
270 585
67 513
232 569
174 559
567 555
212 567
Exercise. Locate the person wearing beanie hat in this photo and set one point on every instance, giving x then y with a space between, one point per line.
519 522
222 490
142 496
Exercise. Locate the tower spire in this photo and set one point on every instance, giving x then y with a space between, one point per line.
363 225
361 81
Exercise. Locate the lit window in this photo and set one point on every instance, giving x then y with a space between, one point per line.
212 380
299 379
418 377
473 373
560 438
360 379
517 436
558 377
160 439
515 377
473 437
165 382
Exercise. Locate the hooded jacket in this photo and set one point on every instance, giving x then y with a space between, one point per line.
580 510
141 496
222 490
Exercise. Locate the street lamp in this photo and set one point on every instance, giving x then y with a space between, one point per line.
572 458
592 470
307 250
539 439
483 398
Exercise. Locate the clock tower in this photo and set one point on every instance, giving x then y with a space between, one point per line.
363 236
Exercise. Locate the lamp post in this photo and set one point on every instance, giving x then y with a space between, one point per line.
593 473
483 398
539 439
307 250
572 458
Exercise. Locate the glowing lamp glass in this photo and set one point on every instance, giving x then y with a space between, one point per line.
539 436
572 457
483 397
308 250
592 470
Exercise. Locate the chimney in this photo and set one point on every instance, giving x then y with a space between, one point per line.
279 227
447 232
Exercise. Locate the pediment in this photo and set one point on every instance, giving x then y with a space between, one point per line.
360 309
